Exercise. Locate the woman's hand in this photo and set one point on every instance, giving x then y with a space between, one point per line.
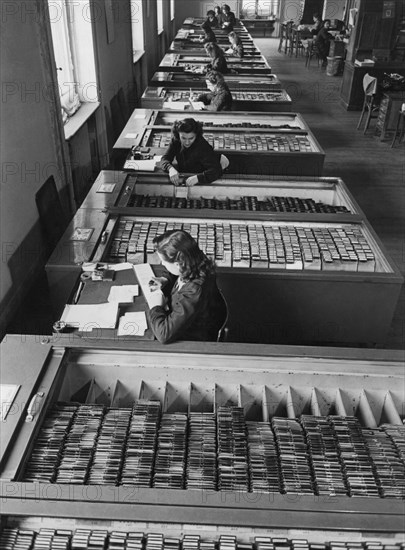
157 283
157 298
174 176
192 180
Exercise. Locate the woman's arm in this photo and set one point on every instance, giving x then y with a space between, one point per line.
218 101
169 155
170 326
211 163
205 98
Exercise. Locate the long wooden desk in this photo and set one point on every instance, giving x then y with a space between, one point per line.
242 100
283 302
255 143
234 81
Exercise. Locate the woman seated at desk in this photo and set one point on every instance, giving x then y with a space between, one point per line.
322 42
316 27
219 97
236 44
227 19
208 33
186 303
193 154
212 19
217 55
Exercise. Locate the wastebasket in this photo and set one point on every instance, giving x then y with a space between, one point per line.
333 66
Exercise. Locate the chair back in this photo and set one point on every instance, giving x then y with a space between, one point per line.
369 84
223 332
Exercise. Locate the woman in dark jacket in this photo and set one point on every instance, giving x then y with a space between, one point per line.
236 44
219 97
185 303
322 41
193 154
212 19
218 61
227 19
208 33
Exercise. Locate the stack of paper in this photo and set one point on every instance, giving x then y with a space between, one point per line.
88 317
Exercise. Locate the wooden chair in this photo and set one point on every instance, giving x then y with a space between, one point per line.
400 126
312 51
224 331
285 36
370 104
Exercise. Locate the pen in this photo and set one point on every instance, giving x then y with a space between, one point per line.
79 289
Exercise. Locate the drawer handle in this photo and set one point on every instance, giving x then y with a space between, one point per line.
32 407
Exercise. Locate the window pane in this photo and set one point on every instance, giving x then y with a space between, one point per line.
160 15
138 42
260 8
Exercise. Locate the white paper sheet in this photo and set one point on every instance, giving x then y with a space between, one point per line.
144 274
144 165
132 324
123 294
92 316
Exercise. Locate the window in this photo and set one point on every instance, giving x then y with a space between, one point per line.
138 42
172 9
160 23
260 8
71 27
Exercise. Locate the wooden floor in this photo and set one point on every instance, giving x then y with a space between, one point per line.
374 173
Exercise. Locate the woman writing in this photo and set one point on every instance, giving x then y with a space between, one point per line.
218 61
193 154
219 97
186 303
236 44
208 34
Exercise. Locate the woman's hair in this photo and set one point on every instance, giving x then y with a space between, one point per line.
317 16
210 13
206 26
326 21
187 125
214 50
217 9
226 8
235 39
215 77
179 246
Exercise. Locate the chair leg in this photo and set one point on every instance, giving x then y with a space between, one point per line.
370 112
362 114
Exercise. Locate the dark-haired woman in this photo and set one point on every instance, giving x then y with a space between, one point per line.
212 18
208 34
217 55
186 303
219 97
227 19
322 42
236 44
193 154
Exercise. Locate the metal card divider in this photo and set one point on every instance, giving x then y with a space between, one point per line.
105 240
